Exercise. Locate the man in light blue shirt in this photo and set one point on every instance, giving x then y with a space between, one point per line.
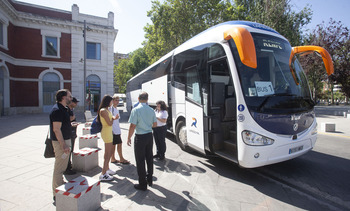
142 119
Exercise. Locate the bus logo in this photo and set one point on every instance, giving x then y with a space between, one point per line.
194 123
295 127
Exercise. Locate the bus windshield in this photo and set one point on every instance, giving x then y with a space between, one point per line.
271 87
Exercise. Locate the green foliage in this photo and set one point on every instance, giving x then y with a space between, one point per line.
127 68
176 21
277 14
335 38
138 61
122 74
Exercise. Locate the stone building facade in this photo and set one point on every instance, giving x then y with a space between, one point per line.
42 50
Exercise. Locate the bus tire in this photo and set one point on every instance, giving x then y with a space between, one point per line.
181 135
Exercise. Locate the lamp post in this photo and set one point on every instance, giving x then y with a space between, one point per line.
84 85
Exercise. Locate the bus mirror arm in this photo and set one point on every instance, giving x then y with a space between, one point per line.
245 45
304 50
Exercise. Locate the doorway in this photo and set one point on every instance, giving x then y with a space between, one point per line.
93 92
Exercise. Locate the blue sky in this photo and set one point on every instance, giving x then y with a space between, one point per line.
130 16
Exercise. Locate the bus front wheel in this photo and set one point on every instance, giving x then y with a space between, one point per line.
181 135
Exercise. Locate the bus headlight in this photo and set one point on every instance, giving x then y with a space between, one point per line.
255 139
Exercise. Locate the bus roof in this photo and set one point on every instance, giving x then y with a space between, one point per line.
211 35
247 23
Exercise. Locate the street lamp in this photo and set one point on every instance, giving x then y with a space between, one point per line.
86 28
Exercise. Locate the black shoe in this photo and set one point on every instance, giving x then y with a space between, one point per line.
69 172
139 187
160 158
150 182
156 156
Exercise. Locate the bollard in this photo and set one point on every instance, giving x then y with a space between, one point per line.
86 130
82 193
85 159
328 127
87 124
88 140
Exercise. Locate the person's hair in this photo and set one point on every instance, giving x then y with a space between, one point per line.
106 100
143 96
115 97
162 104
60 94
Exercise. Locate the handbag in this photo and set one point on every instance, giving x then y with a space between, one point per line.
49 151
96 126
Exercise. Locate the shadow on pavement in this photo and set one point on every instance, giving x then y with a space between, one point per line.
160 201
170 166
151 197
15 123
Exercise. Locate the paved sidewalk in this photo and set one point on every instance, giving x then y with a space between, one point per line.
184 181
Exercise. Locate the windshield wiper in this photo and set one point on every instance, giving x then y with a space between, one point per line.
268 97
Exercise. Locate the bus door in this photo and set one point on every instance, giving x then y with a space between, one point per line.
194 110
222 110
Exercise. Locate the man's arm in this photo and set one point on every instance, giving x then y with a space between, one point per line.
131 132
59 136
154 124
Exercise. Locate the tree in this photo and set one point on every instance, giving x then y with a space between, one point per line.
316 74
176 21
122 74
126 68
138 61
335 38
277 14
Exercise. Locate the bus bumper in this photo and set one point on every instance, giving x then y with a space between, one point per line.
261 156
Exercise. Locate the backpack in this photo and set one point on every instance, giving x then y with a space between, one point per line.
96 126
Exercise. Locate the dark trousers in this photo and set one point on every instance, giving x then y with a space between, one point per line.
143 150
159 134
69 166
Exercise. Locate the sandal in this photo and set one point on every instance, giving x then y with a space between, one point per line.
116 161
125 162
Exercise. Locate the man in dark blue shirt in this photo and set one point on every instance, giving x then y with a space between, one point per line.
60 133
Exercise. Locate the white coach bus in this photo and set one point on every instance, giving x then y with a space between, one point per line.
237 91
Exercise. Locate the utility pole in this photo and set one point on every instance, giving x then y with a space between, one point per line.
84 85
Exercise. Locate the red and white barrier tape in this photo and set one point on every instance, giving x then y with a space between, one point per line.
77 188
85 151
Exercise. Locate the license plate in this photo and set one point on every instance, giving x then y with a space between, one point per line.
295 149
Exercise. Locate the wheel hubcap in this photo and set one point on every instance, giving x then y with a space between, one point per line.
183 136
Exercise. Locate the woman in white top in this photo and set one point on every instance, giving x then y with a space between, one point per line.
159 132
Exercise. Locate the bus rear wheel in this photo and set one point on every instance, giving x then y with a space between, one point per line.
181 135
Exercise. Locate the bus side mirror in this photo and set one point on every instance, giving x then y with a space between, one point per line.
303 50
245 45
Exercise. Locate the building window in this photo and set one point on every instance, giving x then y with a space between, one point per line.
93 50
51 46
3 32
51 43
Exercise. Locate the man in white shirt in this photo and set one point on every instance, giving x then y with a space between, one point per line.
116 133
